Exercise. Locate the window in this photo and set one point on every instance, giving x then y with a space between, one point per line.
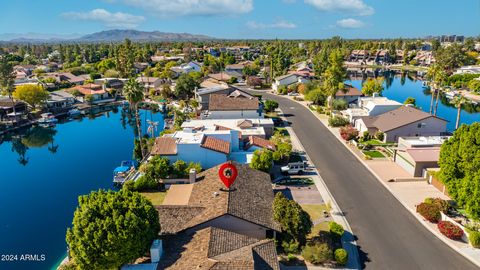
422 125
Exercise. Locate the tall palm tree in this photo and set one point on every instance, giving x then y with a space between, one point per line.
134 93
437 76
458 102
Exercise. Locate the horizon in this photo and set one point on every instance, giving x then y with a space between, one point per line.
245 19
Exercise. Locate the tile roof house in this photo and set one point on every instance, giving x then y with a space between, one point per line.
287 80
99 93
402 122
209 206
236 106
215 248
213 144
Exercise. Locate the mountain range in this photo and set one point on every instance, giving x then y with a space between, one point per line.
103 36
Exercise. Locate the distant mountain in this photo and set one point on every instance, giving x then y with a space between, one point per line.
119 35
103 36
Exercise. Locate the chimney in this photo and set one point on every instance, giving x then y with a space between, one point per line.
156 250
192 176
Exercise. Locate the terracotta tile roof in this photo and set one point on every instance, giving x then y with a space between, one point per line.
260 142
215 248
215 144
209 202
164 146
226 103
89 89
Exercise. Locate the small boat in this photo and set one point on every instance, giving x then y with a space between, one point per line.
47 118
120 173
74 112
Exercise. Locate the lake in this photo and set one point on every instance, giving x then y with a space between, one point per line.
44 170
399 88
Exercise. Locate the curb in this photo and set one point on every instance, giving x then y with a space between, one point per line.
419 218
348 242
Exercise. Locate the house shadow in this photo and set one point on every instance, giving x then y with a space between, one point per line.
362 255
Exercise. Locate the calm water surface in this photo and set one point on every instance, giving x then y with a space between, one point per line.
399 89
44 170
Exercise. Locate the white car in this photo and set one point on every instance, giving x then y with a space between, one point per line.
294 168
293 94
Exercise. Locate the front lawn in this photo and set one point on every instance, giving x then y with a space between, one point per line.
315 210
323 226
155 197
374 154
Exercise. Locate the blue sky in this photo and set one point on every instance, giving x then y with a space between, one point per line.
247 18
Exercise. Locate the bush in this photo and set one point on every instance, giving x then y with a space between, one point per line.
443 205
430 212
336 229
129 185
450 230
338 121
291 246
270 105
145 183
317 253
179 168
348 133
341 256
339 104
474 238
380 136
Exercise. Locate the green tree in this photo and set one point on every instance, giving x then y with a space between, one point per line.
7 78
111 228
320 62
437 77
334 75
134 93
125 59
411 100
262 160
459 162
373 86
32 94
185 86
458 102
270 105
316 96
295 222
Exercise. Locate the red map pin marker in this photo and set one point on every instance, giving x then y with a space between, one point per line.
228 173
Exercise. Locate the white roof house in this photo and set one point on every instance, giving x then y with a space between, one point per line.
260 127
468 70
371 106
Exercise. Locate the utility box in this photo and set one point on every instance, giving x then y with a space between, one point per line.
156 250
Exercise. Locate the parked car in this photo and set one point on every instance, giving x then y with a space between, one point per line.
277 121
294 168
293 94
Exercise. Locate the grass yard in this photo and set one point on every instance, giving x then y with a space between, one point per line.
315 210
323 226
271 114
155 197
374 154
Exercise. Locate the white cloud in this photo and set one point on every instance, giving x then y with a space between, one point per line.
117 19
350 23
357 7
193 7
278 25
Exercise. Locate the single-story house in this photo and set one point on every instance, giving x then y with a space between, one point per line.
350 94
202 95
233 107
99 93
149 82
417 154
60 101
11 109
287 80
258 127
404 121
204 205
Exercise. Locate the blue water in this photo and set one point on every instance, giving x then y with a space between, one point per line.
413 88
38 199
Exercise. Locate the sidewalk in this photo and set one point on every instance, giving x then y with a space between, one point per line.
409 194
348 241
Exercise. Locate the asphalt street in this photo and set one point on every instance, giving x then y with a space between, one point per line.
388 236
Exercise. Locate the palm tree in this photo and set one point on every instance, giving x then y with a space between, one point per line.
458 102
134 93
436 76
